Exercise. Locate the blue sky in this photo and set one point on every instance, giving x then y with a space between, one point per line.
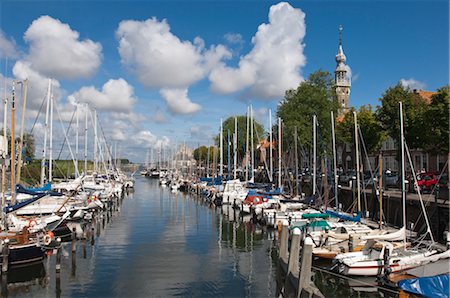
384 41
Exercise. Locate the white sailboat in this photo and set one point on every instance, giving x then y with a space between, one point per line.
379 255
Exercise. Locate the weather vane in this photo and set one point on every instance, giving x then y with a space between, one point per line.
340 34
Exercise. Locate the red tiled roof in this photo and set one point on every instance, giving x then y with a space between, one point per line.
425 95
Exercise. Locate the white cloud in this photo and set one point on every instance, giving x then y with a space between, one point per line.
147 139
412 84
8 47
38 84
234 38
56 51
158 58
116 95
178 101
161 60
274 63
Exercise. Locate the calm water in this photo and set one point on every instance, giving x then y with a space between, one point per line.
159 244
164 244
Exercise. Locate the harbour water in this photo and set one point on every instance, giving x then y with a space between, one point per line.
160 243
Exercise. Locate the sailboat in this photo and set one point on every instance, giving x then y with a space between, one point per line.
380 254
22 249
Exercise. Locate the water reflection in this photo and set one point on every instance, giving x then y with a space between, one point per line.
163 243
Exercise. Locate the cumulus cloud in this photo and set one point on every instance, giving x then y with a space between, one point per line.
161 60
55 50
178 101
157 57
8 48
38 84
412 84
274 63
116 95
234 38
147 139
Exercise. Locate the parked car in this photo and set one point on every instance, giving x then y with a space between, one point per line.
425 182
391 179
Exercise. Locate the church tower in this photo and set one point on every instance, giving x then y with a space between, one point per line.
341 79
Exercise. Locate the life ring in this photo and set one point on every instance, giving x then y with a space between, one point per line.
48 238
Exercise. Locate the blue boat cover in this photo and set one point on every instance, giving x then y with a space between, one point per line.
344 216
28 191
46 187
217 180
430 286
17 206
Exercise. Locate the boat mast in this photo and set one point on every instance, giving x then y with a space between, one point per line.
207 161
333 134
358 184
85 137
44 150
279 152
50 157
246 144
221 148
4 153
20 149
76 138
296 161
13 149
402 142
380 184
314 154
229 155
235 140
95 141
252 146
270 146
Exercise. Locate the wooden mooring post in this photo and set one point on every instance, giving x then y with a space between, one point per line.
58 255
297 281
5 253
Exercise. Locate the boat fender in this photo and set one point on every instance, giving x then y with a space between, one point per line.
48 238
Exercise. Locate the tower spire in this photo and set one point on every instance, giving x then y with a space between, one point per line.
341 79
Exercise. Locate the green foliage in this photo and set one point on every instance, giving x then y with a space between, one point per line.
28 146
201 153
258 134
437 123
414 110
62 169
315 96
371 129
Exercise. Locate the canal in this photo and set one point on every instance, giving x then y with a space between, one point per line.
160 243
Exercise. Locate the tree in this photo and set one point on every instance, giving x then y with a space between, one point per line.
201 153
436 125
414 110
370 127
315 96
228 125
28 146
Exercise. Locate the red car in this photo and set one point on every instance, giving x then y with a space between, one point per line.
426 181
